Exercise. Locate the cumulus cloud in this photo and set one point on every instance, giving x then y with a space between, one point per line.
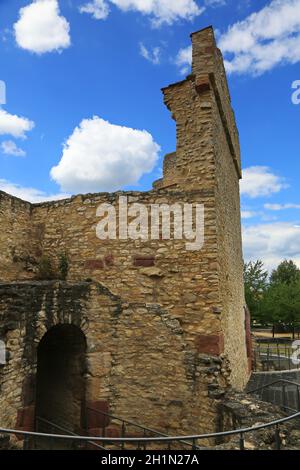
272 243
99 9
9 147
259 181
281 207
160 11
184 59
263 40
11 124
100 156
29 194
152 56
41 28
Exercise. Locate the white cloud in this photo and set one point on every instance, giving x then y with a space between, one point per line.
99 9
152 56
263 40
10 148
215 3
41 28
160 11
28 194
260 181
267 217
100 156
248 214
184 59
281 207
272 243
11 124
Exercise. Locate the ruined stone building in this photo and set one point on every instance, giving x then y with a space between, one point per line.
146 330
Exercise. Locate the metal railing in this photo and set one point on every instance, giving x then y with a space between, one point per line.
53 427
125 424
286 385
143 442
274 356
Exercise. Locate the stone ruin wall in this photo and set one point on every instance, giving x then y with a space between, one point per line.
139 361
17 250
201 291
227 200
211 143
152 272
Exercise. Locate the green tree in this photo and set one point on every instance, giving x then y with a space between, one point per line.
286 273
256 282
281 304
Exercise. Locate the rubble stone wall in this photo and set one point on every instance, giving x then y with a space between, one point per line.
139 360
166 328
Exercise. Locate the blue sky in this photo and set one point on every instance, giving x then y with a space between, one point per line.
87 74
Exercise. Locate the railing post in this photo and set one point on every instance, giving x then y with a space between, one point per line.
195 444
52 439
279 356
298 398
104 434
267 390
284 397
36 427
123 435
277 438
242 442
25 443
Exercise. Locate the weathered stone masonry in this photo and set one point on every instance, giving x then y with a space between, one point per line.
164 327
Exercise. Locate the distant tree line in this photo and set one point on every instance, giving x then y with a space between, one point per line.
273 300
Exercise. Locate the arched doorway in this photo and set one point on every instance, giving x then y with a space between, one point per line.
61 369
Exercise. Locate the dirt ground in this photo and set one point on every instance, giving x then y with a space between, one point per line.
269 334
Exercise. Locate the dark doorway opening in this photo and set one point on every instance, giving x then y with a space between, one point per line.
61 369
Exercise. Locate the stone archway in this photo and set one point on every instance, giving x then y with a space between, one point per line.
61 370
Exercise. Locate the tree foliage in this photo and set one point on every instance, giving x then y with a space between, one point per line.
255 277
275 301
286 273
